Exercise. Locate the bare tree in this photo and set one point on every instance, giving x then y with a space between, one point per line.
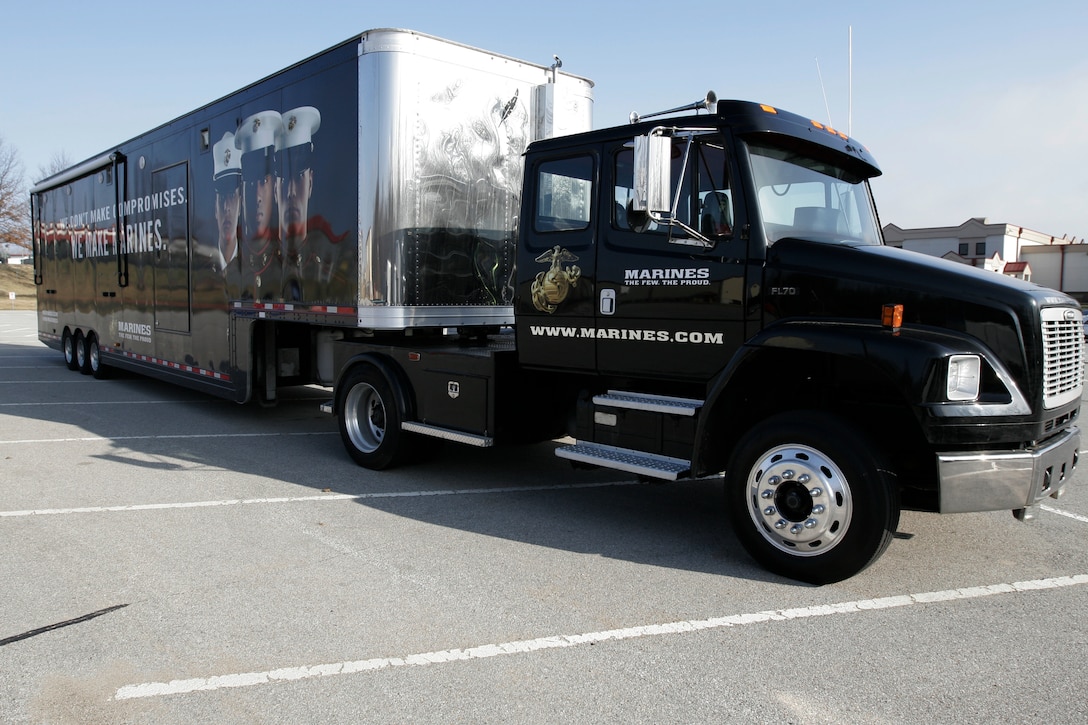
14 203
58 162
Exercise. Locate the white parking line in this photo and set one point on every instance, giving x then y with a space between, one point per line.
321 497
80 379
178 436
288 674
22 367
1067 514
66 403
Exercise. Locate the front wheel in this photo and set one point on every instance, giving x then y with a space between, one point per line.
370 418
810 498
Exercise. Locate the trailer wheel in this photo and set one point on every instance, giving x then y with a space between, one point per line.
80 344
810 497
68 346
370 417
93 358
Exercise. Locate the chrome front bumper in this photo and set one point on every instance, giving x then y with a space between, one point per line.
1005 481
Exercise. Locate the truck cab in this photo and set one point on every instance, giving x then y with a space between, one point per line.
719 286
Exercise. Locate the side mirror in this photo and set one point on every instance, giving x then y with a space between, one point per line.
653 170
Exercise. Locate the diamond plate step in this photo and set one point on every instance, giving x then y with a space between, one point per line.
625 459
652 403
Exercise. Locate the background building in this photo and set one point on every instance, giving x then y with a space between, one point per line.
1057 262
13 253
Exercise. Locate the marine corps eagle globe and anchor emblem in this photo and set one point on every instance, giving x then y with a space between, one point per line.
550 288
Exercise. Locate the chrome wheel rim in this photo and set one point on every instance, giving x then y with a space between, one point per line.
799 500
365 418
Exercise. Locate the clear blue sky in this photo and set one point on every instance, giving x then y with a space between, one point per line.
972 109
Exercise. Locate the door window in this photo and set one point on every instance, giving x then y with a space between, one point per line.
564 195
701 191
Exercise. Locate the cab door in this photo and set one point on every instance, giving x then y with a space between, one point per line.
671 299
556 301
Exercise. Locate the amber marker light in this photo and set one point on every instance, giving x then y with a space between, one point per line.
768 109
892 316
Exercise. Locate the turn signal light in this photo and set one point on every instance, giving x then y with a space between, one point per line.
892 316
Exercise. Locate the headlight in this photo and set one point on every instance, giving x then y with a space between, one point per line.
964 377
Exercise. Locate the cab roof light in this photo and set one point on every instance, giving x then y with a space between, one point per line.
892 316
768 109
830 130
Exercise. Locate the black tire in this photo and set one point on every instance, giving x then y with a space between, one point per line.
810 497
68 347
80 344
370 414
93 359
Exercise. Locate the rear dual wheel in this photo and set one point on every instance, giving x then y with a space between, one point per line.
370 415
371 409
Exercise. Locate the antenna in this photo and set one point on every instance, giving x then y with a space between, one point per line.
824 92
850 82
850 85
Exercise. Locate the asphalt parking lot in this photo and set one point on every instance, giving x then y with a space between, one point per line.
173 558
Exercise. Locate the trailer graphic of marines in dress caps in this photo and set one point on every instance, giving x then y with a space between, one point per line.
259 138
227 180
294 187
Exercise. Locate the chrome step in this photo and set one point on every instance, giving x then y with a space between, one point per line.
449 435
625 459
651 403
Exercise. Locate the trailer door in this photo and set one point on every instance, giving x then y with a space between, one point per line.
48 249
103 250
172 289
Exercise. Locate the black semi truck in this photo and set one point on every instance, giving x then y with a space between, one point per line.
433 232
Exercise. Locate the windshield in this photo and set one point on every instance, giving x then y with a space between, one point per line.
806 198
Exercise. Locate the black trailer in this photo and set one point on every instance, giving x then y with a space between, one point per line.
374 186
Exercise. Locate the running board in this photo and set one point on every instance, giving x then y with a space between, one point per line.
449 435
651 403
625 459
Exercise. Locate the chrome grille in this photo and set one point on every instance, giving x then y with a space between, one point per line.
1063 355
